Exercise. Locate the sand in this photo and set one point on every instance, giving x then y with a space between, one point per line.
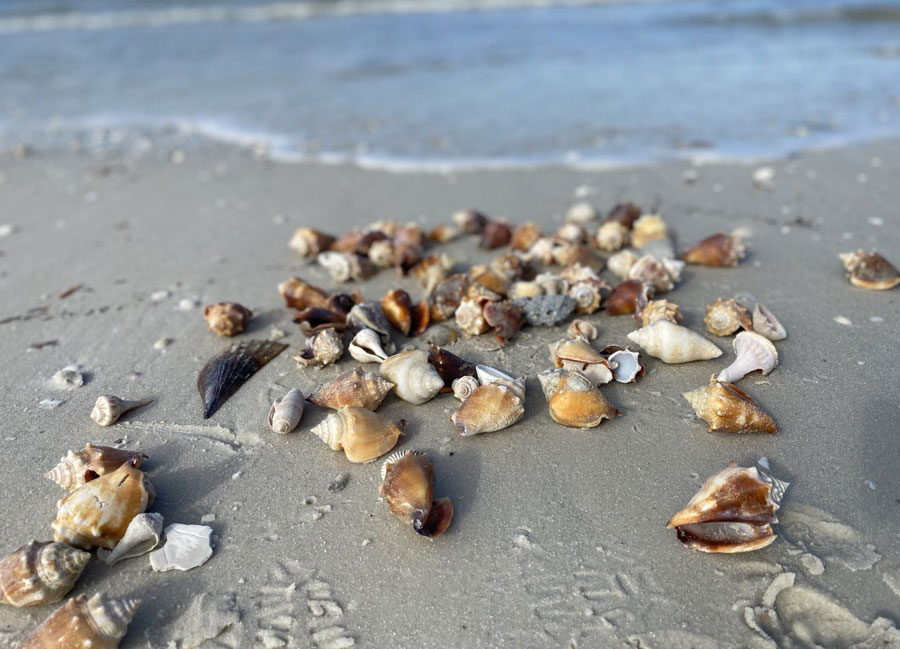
559 536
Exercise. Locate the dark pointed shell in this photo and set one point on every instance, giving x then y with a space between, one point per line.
40 573
449 366
226 372
496 234
316 319
505 317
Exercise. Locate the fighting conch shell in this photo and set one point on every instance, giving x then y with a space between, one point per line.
494 405
407 486
574 400
79 467
355 388
286 411
415 379
673 343
727 409
362 434
40 573
732 512
96 623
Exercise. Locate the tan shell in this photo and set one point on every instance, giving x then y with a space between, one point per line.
40 573
81 623
299 295
580 355
407 486
870 270
661 274
717 250
226 318
588 295
724 317
108 408
521 290
753 352
286 411
346 266
432 270
470 221
464 386
79 467
307 242
362 434
381 253
491 407
620 263
727 409
574 400
657 310
673 343
733 512
443 233
470 317
582 329
404 316
324 347
648 227
98 513
611 236
525 236
415 379
766 324
356 388
572 232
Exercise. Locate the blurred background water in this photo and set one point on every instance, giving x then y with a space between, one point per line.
453 82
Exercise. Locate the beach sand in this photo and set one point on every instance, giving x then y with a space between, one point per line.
559 536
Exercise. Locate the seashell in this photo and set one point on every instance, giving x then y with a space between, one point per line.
733 512
470 221
464 386
79 467
625 296
588 295
717 250
443 234
663 249
494 282
98 623
487 374
186 547
324 347
524 290
661 274
369 316
415 379
625 364
432 271
470 317
402 314
344 266
546 310
577 272
490 407
727 409
649 227
574 400
68 378
447 295
108 408
366 242
766 324
362 434
525 236
299 295
40 573
347 242
673 343
286 411
496 234
621 262
657 310
98 513
449 366
366 347
611 236
510 266
407 486
505 317
543 249
410 234
579 355
571 253
870 270
341 304
406 257
356 388
754 352
224 373
625 213
724 317
573 233
581 212
226 318
141 537
389 228
439 335
315 319
381 253
582 329
307 242
552 284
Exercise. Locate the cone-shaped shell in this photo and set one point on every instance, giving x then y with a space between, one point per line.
362 434
407 486
727 409
286 411
40 573
299 295
732 512
574 400
490 407
97 514
307 242
415 379
754 352
398 309
673 343
717 250
870 270
356 388
81 623
78 467
108 408
724 317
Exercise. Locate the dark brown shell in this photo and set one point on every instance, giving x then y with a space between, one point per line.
625 213
449 366
408 489
496 235
626 295
470 221
224 373
505 317
317 319
718 250
397 307
525 236
299 295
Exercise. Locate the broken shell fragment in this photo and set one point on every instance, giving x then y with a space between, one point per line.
40 573
362 434
186 547
470 221
724 317
108 408
673 343
366 347
611 236
505 317
99 623
449 366
869 270
717 250
415 379
324 347
141 537
626 295
344 266
356 388
582 329
224 373
226 318
490 407
580 355
464 386
407 486
574 400
496 234
766 324
299 295
754 352
733 512
79 467
625 364
286 411
727 409
307 242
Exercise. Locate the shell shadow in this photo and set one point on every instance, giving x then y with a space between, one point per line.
195 482
262 320
458 478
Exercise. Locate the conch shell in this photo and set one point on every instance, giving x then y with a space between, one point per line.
108 408
766 324
324 347
40 573
574 400
79 467
673 343
362 434
717 250
733 512
99 623
356 388
727 409
724 317
754 352
579 355
366 347
226 318
344 266
493 406
870 270
415 379
98 513
407 486
656 310
286 411
403 315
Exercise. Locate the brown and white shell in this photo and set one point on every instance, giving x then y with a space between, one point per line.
724 317
673 343
656 310
626 296
324 347
346 266
299 295
718 250
588 295
470 221
415 379
580 355
432 270
626 213
98 513
620 263
496 234
407 486
307 242
574 400
470 317
108 408
661 274
525 236
226 318
505 317
490 407
447 295
40 573
449 366
728 409
404 316
81 623
611 236
869 270
79 467
363 435
355 388
464 386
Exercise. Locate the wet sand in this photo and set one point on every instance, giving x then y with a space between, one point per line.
558 538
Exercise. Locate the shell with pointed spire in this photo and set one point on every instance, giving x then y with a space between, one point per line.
79 467
286 411
415 379
574 400
870 270
490 407
407 486
754 352
108 408
724 317
355 388
363 435
717 250
99 623
673 343
40 573
733 512
728 409
464 386
766 324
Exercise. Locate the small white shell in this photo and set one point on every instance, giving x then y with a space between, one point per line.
108 408
286 412
366 347
582 212
625 365
141 536
766 324
415 379
187 546
464 386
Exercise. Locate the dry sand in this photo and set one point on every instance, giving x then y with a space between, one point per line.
558 538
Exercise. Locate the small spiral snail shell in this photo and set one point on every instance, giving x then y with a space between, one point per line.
40 573
108 408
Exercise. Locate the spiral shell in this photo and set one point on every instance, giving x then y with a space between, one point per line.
363 435
588 295
470 317
724 317
661 274
286 411
727 409
673 343
490 407
356 388
582 329
407 486
464 386
415 379
40 573
581 212
657 310
324 347
611 236
307 242
226 318
108 408
574 400
717 250
344 266
366 347
99 623
79 467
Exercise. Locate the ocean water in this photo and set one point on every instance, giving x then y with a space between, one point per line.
409 83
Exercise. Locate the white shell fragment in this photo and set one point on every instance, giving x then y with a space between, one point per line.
186 547
141 536
68 378
286 412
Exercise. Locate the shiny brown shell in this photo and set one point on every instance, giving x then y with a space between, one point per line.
407 486
624 213
504 317
496 234
449 366
525 236
718 250
299 295
869 270
625 295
